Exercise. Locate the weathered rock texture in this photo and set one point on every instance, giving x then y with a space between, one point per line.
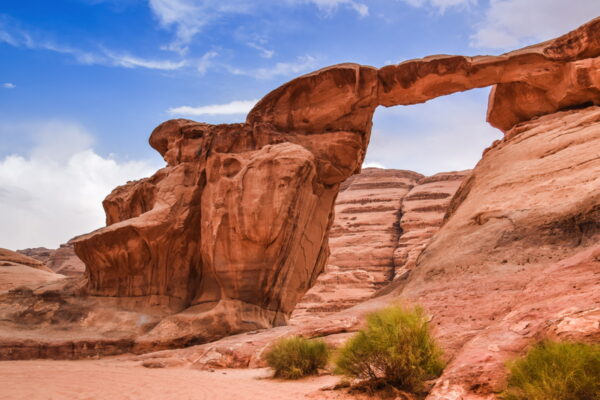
63 260
233 231
383 220
516 261
362 241
422 215
18 270
518 256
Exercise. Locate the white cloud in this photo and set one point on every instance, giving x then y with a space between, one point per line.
9 85
129 61
56 191
441 5
445 134
301 65
372 165
510 24
236 107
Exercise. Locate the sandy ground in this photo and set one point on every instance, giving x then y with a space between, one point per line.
116 380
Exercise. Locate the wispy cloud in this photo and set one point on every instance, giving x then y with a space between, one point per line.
16 36
264 52
189 17
9 85
512 23
331 6
441 5
236 107
301 65
206 61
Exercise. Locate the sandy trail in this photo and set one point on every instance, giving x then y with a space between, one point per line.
125 380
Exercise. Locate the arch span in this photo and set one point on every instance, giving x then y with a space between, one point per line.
231 233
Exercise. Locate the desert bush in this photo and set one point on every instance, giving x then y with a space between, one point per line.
396 346
295 357
555 371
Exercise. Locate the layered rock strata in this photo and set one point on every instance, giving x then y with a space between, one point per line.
362 240
63 260
18 270
422 215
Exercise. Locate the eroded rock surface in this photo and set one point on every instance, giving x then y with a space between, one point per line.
63 260
422 215
18 270
362 241
234 230
517 259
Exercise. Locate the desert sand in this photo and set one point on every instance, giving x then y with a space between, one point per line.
117 379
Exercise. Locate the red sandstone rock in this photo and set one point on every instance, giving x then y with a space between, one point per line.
362 241
63 260
232 232
20 271
515 262
423 210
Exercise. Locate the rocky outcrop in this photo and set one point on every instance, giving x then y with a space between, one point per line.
422 215
234 230
239 218
517 259
63 260
20 271
362 241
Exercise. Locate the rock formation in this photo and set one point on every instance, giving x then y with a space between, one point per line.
383 220
234 230
63 260
241 212
17 270
516 261
518 255
422 215
362 240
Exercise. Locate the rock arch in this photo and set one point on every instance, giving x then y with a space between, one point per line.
232 232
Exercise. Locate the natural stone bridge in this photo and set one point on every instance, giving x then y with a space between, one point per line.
233 231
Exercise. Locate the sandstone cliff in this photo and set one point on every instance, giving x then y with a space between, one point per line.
383 221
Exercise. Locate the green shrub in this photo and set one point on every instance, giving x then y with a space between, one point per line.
295 357
556 371
396 346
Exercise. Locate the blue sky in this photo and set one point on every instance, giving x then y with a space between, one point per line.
84 82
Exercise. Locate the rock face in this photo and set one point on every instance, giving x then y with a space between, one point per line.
362 241
63 260
383 220
17 270
518 255
423 210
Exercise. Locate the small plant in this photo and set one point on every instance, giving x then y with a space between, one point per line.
295 357
556 371
395 347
